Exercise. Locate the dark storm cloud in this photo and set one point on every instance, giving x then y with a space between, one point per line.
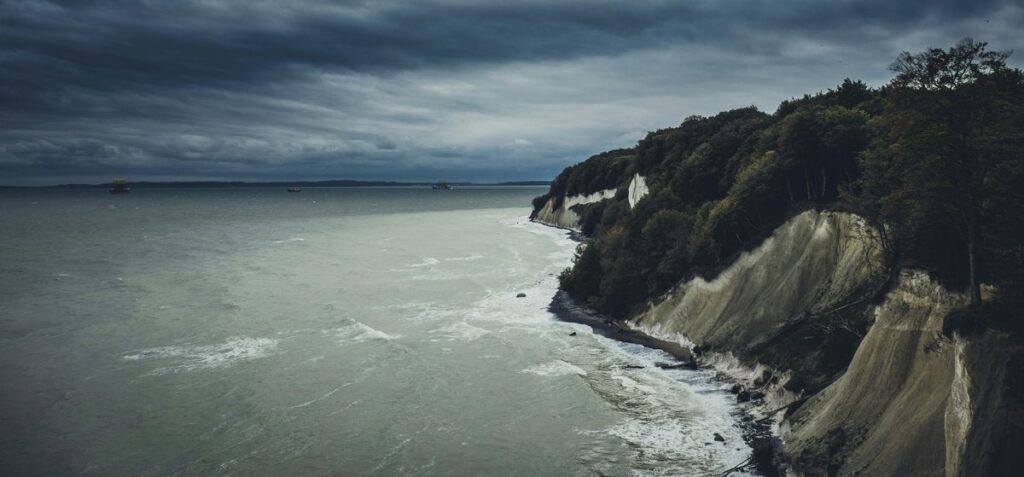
488 90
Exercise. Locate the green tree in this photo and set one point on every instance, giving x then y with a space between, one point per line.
666 231
940 143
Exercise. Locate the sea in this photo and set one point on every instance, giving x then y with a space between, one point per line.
335 331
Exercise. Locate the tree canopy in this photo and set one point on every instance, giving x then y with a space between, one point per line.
933 159
946 157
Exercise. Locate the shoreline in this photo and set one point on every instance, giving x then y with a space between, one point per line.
766 447
767 453
565 309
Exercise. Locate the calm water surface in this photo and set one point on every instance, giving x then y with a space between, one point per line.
350 331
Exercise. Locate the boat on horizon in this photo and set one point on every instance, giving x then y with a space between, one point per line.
119 186
294 189
442 185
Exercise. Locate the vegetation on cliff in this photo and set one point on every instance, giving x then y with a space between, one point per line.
944 166
935 156
599 172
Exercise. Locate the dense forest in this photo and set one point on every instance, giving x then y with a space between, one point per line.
934 160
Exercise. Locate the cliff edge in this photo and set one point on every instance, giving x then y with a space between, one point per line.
560 211
877 387
735 235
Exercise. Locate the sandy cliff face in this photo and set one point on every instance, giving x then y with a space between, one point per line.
913 401
985 416
785 316
885 415
812 261
888 394
564 217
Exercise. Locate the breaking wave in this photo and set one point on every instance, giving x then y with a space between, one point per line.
201 357
556 368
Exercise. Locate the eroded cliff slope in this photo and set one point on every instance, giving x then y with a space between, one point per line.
915 401
887 392
794 306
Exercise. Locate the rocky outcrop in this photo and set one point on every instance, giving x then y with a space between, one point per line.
562 215
984 418
637 189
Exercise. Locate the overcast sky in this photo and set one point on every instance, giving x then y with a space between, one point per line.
419 90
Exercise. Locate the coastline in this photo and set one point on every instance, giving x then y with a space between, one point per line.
565 309
766 446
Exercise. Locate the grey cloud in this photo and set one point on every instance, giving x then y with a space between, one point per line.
371 90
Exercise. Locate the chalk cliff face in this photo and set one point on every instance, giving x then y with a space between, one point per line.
887 392
984 418
885 415
793 306
637 189
913 401
564 216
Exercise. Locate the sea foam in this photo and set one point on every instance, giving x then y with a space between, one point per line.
556 368
200 357
427 261
359 332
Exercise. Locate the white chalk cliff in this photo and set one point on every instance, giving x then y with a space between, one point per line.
812 264
637 189
911 402
564 216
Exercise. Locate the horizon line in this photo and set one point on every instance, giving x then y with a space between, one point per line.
278 183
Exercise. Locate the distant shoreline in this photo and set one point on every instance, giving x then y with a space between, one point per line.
311 184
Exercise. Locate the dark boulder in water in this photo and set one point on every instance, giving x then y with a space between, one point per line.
719 438
572 334
521 295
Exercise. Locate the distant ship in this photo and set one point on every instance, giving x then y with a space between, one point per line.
442 185
294 189
120 186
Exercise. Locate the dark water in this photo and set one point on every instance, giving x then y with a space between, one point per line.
340 331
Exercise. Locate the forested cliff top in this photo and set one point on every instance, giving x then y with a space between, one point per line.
933 160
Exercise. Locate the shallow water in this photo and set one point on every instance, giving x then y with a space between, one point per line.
336 331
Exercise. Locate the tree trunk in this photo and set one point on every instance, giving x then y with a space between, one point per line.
824 181
807 184
972 259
